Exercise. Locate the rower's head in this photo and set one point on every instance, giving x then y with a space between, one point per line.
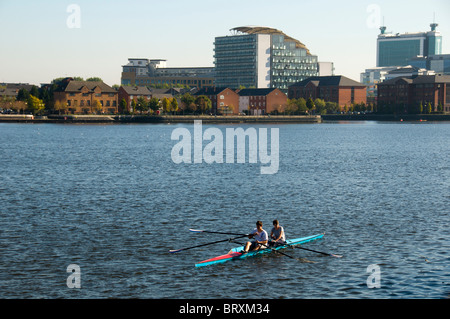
259 224
276 223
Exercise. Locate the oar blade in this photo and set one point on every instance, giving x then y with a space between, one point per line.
196 230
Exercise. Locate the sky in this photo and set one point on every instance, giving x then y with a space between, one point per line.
44 40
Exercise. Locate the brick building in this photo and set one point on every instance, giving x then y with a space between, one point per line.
415 90
133 93
262 101
338 89
223 100
87 97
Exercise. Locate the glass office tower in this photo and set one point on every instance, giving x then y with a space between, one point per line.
397 49
235 60
260 57
290 63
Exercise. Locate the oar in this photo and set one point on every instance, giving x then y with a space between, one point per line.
275 250
215 242
319 252
215 232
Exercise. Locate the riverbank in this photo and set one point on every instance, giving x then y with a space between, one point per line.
265 119
159 119
387 117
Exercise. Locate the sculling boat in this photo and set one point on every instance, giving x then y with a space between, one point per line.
235 252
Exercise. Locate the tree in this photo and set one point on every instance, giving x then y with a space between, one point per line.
123 107
34 91
203 103
60 106
301 105
35 105
320 106
188 100
23 95
310 104
291 106
142 104
174 105
420 110
166 105
133 105
332 107
94 79
97 106
428 109
154 104
440 107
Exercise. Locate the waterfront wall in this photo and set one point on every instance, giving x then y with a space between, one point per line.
386 117
220 119
161 119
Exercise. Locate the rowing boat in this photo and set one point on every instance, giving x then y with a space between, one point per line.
235 253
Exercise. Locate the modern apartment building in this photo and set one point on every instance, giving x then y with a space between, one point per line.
261 57
396 49
154 72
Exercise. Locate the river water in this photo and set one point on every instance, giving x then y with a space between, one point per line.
111 200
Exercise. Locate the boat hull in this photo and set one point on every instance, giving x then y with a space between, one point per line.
235 254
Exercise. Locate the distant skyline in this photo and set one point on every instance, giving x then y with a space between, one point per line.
43 40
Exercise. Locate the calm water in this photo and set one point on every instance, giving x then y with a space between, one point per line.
110 199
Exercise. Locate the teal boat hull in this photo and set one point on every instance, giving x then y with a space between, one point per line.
235 254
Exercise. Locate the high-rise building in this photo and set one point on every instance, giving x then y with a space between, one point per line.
397 49
261 57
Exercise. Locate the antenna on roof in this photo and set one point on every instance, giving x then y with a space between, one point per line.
434 24
383 28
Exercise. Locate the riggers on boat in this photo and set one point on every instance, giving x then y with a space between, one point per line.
235 253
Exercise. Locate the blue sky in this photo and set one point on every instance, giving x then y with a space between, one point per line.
38 45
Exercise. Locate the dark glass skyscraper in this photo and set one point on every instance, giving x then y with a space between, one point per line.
397 49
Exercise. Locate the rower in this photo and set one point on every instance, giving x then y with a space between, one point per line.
277 234
260 238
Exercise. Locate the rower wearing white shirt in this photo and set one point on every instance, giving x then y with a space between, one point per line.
260 238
